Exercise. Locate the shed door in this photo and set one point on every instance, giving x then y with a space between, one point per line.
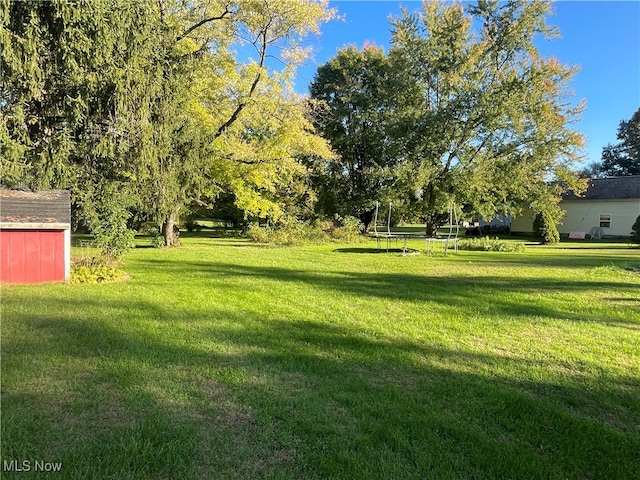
31 256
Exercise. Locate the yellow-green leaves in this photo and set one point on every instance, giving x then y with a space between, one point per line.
486 106
159 98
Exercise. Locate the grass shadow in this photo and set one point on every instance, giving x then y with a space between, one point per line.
187 392
366 250
499 296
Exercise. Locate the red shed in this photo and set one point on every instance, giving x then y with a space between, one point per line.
35 236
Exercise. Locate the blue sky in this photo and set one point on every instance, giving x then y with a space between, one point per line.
602 37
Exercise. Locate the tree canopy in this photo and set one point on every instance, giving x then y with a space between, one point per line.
351 91
144 109
475 115
148 106
623 158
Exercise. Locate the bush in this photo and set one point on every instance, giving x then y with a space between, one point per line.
544 226
346 229
192 225
635 231
106 213
489 244
259 234
290 231
94 270
157 240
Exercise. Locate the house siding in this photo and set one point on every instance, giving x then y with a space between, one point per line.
523 223
32 256
617 197
582 215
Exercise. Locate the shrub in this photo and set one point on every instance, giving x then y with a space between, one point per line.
259 234
489 244
544 226
192 225
291 231
288 232
106 213
346 229
94 270
635 231
157 240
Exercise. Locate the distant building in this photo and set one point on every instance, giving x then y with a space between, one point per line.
608 208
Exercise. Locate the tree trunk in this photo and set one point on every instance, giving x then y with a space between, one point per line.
170 230
367 219
431 229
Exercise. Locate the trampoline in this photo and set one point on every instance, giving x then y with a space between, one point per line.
448 241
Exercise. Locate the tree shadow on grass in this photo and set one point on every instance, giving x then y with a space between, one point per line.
497 296
180 392
367 250
582 259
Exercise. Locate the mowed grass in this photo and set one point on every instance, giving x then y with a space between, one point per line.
225 359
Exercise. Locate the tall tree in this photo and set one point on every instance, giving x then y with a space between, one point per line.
63 67
57 63
128 103
482 117
351 112
229 97
623 158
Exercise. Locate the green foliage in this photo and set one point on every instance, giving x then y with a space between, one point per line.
157 240
112 236
624 157
545 228
635 230
292 231
489 244
90 269
105 211
347 229
350 97
152 101
191 224
463 109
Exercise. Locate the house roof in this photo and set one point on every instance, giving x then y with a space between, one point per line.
610 188
49 206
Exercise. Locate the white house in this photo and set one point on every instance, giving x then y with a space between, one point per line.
608 208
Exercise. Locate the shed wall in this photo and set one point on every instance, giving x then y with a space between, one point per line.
33 256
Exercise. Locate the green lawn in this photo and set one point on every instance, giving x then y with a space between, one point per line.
222 359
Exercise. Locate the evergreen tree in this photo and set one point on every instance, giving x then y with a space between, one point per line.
145 105
545 228
635 230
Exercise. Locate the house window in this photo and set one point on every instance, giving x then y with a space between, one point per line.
605 220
